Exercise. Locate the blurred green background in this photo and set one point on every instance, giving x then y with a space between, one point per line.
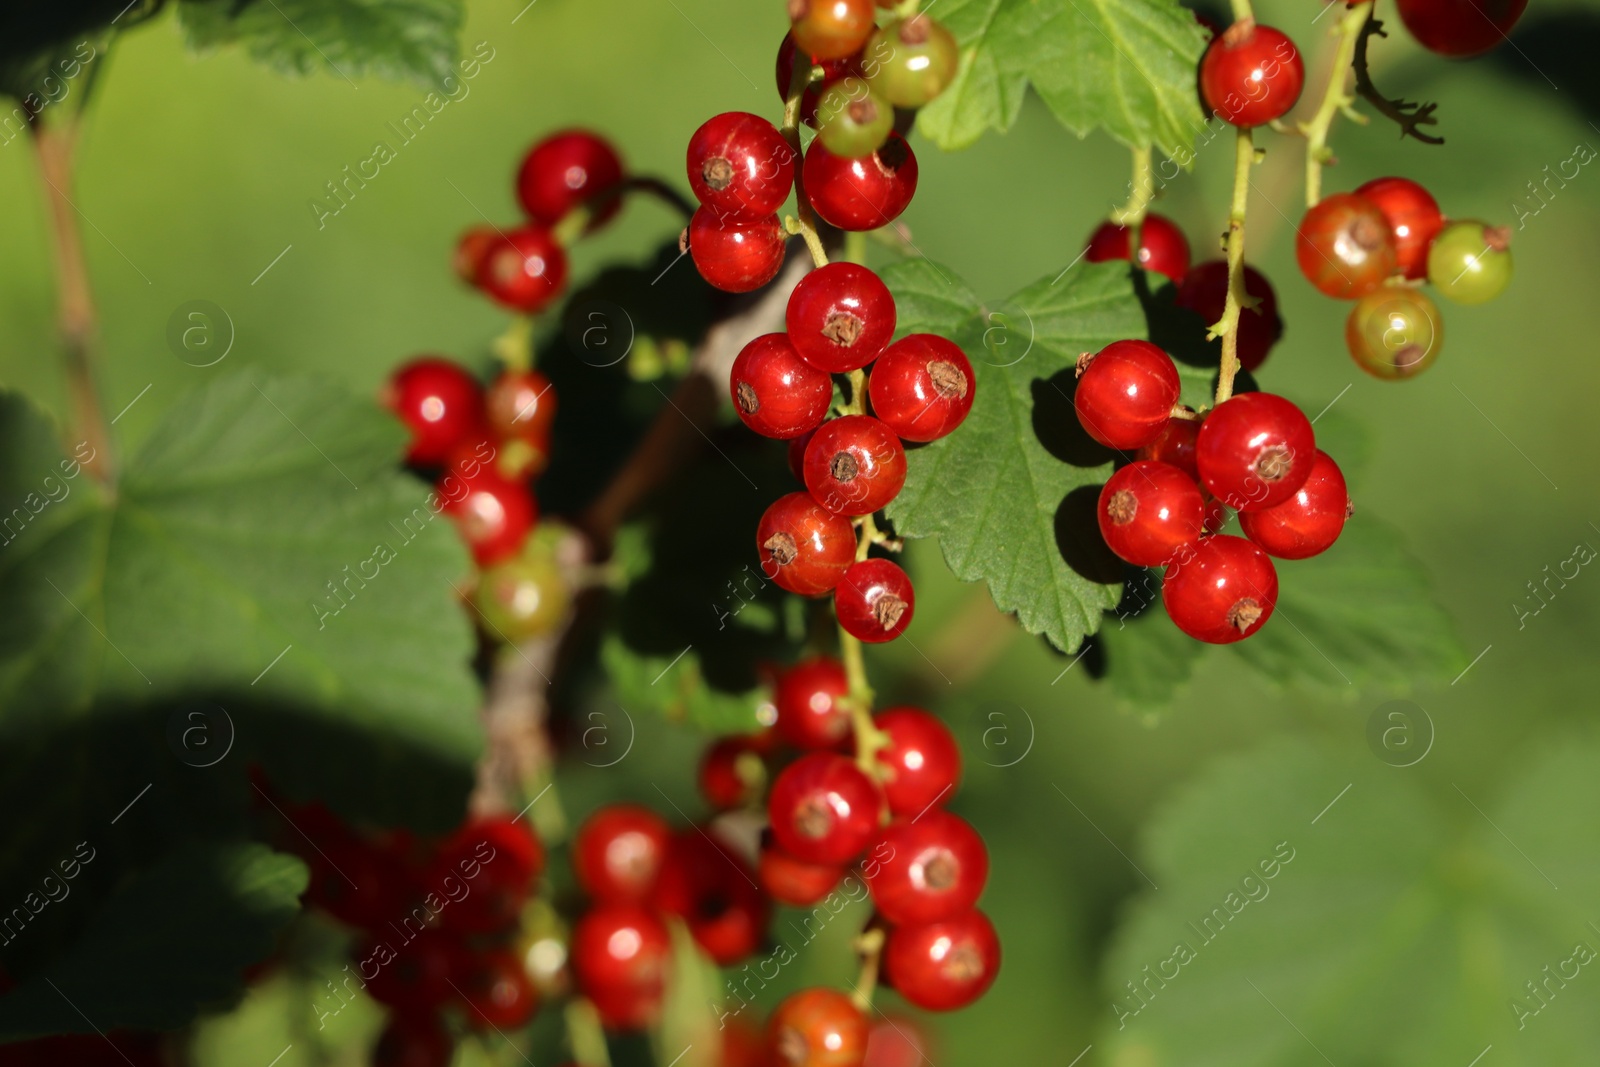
197 172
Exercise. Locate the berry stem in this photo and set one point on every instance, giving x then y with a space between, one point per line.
807 222
514 347
1334 99
870 946
1141 191
855 247
1244 158
869 739
53 147
1242 10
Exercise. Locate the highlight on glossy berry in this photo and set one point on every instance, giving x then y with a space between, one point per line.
943 966
1148 511
921 764
1254 450
809 698
854 465
840 317
863 193
824 809
911 61
776 393
1126 393
1470 262
852 119
1344 246
738 163
1394 332
439 402
1251 74
816 1028
804 547
831 29
1162 246
1220 590
525 270
1413 216
874 601
734 253
934 867
566 170
922 387
1308 523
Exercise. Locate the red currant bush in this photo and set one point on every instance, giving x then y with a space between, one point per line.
1470 263
1205 292
832 71
511 859
1460 27
1221 590
563 171
1148 511
1162 246
852 119
823 809
496 992
840 317
1251 74
707 885
440 403
520 405
945 965
1126 393
1175 446
854 465
417 976
619 853
817 1028
921 763
740 164
619 959
776 393
525 270
471 247
495 514
807 697
911 61
922 387
1254 451
734 253
795 882
804 547
1413 216
935 868
413 1040
732 773
874 601
1309 522
1394 332
1344 246
863 193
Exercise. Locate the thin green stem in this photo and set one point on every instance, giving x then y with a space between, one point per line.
870 947
1334 99
1141 191
855 247
1242 10
805 223
514 347
1244 158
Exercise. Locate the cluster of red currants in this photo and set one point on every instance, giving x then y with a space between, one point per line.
439 923
1254 453
525 268
488 445
1375 246
857 83
840 318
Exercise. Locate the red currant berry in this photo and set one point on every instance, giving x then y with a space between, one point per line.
619 851
863 193
1221 590
440 403
855 465
936 868
414 975
921 763
563 171
1309 522
1251 74
795 882
832 71
944 965
775 392
494 513
497 993
922 387
1394 332
734 253
804 547
740 164
1205 292
619 959
830 29
807 697
707 885
1126 393
874 601
823 809
1175 446
840 317
1344 246
1460 27
1162 246
525 270
413 1040
1148 511
470 250
732 772
897 1041
910 62
521 405
1414 219
1254 451
508 859
817 1028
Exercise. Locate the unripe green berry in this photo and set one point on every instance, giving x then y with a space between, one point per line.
910 62
1470 262
853 120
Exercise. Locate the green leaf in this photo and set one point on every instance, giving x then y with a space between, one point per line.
262 550
398 39
1011 495
1319 909
172 940
1125 66
1147 659
673 687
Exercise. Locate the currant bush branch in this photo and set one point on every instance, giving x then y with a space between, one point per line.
1244 158
1408 114
869 945
1141 192
1334 99
804 222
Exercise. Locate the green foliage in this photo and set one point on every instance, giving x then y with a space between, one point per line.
1126 66
173 939
1010 494
1401 929
397 39
674 687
